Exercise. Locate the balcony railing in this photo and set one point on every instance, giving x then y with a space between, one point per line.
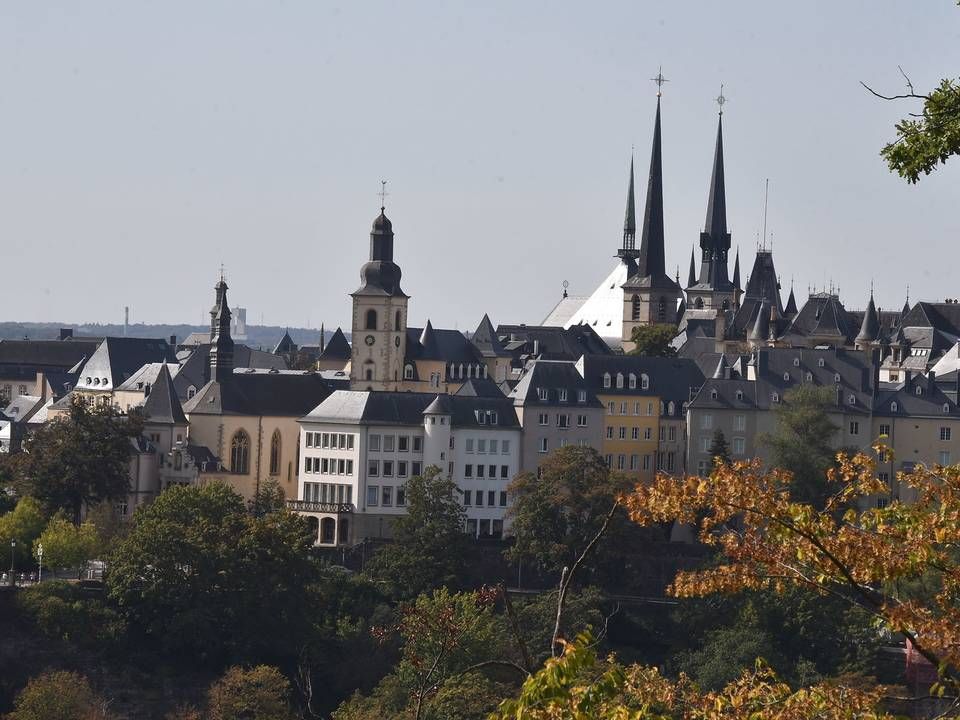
311 506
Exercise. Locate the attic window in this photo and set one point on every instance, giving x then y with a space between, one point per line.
946 407
581 396
633 381
562 394
493 417
739 394
644 382
671 408
820 362
96 381
919 390
796 362
606 380
713 394
776 397
894 407
619 380
836 377
852 400
786 377
481 417
809 377
542 393
88 380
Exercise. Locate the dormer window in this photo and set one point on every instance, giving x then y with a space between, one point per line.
946 407
713 394
96 381
894 407
919 390
644 382
852 400
581 396
809 377
671 408
481 417
408 372
606 380
493 418
836 377
821 363
562 394
619 380
542 394
89 380
796 362
775 397
786 377
739 394
633 381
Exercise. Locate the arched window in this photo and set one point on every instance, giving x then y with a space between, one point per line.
662 309
369 374
635 308
714 394
809 376
408 372
396 321
240 453
644 382
820 362
275 453
371 319
633 381
328 527
619 380
946 407
606 380
894 407
314 524
796 362
852 400
672 408
698 303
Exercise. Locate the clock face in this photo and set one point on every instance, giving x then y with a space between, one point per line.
369 340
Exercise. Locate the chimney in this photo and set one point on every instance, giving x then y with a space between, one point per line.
126 319
720 332
907 377
875 360
762 361
66 333
173 341
931 382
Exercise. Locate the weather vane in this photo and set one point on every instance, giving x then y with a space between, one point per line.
659 80
721 100
383 195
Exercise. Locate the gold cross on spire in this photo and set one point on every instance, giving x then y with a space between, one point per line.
721 100
659 80
383 195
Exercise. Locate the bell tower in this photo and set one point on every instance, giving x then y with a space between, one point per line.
379 337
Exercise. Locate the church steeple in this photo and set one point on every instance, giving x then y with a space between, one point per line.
715 239
629 248
870 328
221 348
651 262
692 277
736 271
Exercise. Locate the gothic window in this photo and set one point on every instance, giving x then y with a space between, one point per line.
698 303
396 321
368 374
662 309
635 308
275 453
371 319
240 453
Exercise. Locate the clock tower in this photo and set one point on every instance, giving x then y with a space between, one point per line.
379 337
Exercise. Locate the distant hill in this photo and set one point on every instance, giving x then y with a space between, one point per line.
258 336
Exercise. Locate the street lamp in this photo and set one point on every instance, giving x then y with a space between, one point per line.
13 547
40 562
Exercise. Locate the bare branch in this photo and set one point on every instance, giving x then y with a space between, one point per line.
909 84
909 96
515 628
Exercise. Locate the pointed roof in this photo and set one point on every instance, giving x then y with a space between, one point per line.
722 368
162 404
761 328
485 339
716 222
441 405
681 308
651 261
791 308
692 277
285 345
736 271
630 217
337 348
428 340
870 329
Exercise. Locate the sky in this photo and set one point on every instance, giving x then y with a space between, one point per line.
142 144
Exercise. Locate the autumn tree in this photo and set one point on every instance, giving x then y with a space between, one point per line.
653 340
720 448
556 515
429 545
803 441
79 459
257 693
59 696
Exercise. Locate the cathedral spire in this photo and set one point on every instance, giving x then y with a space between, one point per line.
736 271
716 222
652 262
692 277
630 220
221 348
715 240
870 328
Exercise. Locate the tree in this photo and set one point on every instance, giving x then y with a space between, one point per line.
926 139
653 340
23 524
257 693
65 545
867 558
79 459
268 498
556 515
59 696
429 545
199 573
802 443
719 449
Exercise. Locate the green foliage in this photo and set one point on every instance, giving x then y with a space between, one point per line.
199 573
268 498
429 545
803 441
23 524
109 524
929 139
63 611
555 516
536 616
65 545
719 448
470 696
653 340
59 696
79 459
257 693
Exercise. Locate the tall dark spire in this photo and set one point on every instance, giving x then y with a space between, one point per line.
221 349
381 275
870 328
652 262
692 277
715 240
630 220
736 271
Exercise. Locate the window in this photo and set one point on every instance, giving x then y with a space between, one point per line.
946 408
482 445
796 362
416 468
775 397
374 443
504 447
468 445
649 408
619 380
468 497
673 433
581 420
705 442
644 382
632 381
647 433
480 470
944 457
739 422
191 391
606 380
401 496
739 394
371 322
491 471
581 396
493 446
852 400
739 445
240 453
635 433
919 390
481 417
388 468
544 419
945 433
609 432
703 468
479 500
636 408
854 427
836 377
706 422
894 407
786 377
635 308
373 495
543 445
885 430
622 433
503 498
562 394
468 471
611 408
408 372
634 462
608 459
275 453
504 472
373 468
396 321
389 442
563 420
621 462
882 456
820 362
646 462
418 444
542 394
403 443
386 497
714 394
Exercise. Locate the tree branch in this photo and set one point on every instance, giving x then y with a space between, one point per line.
515 628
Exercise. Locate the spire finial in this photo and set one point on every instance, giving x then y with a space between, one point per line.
383 195
908 293
721 100
565 284
659 80
221 272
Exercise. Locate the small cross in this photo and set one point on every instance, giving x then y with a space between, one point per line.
659 80
383 195
721 99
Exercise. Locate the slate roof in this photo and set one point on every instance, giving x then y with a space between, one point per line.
285 344
45 354
446 345
22 407
552 343
823 316
929 403
147 375
565 309
603 310
117 359
553 376
671 379
162 404
480 387
486 341
944 317
195 366
337 348
288 393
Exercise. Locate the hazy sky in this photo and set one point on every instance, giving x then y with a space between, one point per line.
142 144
